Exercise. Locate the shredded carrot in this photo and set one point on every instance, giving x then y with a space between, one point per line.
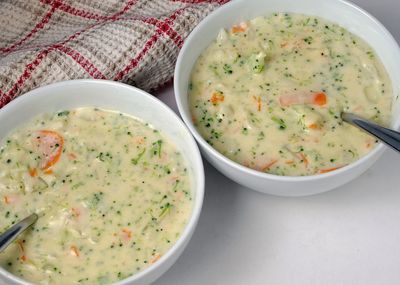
289 161
75 212
74 251
268 165
303 157
328 169
52 145
48 171
300 98
320 99
239 28
32 172
127 233
258 100
313 126
155 258
217 97
7 200
10 199
22 249
284 44
193 119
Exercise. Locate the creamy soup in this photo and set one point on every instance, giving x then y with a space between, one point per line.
112 195
268 94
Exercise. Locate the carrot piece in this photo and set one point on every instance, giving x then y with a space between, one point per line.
10 199
313 126
32 172
217 97
75 212
22 249
242 27
126 233
319 99
155 258
48 171
7 200
289 161
258 100
74 251
51 145
267 166
237 29
303 157
321 171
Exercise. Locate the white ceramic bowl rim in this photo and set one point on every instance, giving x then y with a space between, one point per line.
187 119
199 191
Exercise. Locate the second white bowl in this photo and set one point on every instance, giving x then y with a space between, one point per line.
343 13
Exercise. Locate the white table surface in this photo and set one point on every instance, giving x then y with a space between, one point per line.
350 235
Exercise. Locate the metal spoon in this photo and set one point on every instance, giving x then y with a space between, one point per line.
388 136
12 233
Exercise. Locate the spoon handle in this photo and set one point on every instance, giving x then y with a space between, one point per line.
388 136
11 234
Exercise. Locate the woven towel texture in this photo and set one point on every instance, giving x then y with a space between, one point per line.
132 41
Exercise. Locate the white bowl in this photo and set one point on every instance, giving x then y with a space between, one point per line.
124 98
343 13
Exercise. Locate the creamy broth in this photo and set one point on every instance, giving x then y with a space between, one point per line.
268 93
112 194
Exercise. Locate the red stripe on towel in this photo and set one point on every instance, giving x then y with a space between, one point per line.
86 64
42 23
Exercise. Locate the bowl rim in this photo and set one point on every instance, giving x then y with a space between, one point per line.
377 150
198 169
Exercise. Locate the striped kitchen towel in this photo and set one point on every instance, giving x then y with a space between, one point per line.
132 41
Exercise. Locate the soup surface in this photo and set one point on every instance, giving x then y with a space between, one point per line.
112 195
268 94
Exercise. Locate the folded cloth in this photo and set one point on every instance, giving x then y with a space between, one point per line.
132 41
